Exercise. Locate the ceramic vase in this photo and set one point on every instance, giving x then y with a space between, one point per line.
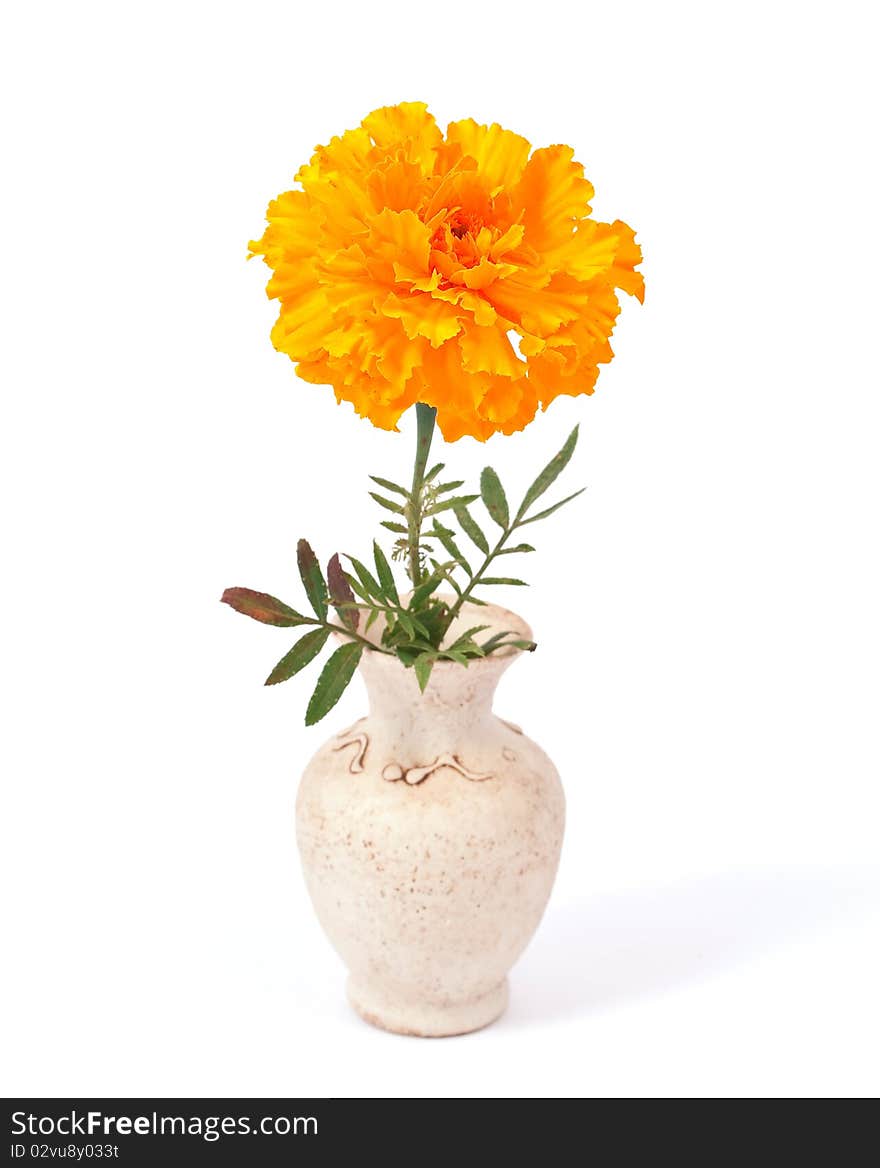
430 833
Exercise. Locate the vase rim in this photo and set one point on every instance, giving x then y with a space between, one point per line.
497 618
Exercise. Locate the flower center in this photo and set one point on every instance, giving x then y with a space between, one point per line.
466 219
462 223
455 239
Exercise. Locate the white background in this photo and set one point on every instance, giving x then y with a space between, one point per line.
707 678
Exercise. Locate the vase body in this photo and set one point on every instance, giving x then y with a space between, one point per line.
430 834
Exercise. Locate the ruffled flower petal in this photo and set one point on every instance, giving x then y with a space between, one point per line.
424 316
407 129
500 154
552 196
488 350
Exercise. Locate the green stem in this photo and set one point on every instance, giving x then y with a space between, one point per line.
478 575
356 637
425 418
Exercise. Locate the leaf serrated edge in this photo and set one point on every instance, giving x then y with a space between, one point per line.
338 671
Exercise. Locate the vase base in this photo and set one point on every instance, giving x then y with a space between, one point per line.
423 1019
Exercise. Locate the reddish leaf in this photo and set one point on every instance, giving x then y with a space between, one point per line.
341 593
260 606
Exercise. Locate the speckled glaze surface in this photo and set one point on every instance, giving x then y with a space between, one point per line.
430 834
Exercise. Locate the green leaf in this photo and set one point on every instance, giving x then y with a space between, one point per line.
387 503
386 576
422 645
471 528
436 620
397 528
341 593
502 580
260 606
455 655
446 537
468 635
495 641
407 654
498 642
470 649
405 622
520 547
443 571
389 486
494 497
335 676
424 590
550 510
433 472
444 487
423 665
313 581
550 473
304 651
449 504
360 591
367 580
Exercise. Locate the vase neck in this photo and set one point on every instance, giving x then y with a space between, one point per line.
457 702
464 693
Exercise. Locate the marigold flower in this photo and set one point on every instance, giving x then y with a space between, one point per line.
408 261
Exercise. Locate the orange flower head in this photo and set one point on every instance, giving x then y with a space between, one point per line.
461 271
